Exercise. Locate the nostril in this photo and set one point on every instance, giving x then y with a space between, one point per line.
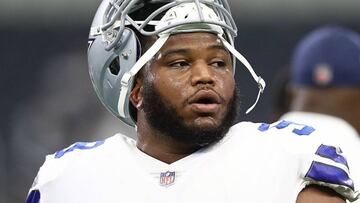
205 82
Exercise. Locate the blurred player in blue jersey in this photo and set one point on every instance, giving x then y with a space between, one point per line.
325 81
167 68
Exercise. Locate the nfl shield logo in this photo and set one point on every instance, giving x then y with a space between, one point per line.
167 178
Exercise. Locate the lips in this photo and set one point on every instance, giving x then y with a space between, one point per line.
205 102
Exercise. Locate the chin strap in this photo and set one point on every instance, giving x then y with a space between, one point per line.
127 78
261 83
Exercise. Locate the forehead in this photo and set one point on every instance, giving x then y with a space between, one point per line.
193 41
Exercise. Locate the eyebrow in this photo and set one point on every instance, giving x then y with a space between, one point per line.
174 51
185 51
219 46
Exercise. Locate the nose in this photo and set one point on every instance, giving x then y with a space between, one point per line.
202 74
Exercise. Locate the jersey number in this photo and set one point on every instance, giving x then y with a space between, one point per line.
299 129
78 145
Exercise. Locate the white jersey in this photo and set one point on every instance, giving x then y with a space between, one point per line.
336 131
254 163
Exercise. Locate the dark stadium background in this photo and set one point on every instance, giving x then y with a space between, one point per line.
47 101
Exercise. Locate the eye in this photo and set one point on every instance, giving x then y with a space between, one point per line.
179 64
218 64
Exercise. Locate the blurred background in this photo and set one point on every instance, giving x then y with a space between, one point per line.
47 101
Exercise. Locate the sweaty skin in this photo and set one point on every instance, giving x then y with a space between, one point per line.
195 66
189 68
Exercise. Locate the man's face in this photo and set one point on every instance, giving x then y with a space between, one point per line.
189 88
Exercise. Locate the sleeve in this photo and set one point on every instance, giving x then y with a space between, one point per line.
47 173
53 167
321 163
328 167
33 196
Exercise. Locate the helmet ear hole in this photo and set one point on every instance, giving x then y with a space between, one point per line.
114 66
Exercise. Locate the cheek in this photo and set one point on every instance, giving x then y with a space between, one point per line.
150 76
227 86
172 88
182 90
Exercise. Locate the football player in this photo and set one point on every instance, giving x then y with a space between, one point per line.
325 88
167 68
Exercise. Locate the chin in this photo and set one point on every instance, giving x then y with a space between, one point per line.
206 122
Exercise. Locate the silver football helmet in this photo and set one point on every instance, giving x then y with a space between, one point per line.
114 53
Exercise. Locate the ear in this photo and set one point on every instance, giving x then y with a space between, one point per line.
136 97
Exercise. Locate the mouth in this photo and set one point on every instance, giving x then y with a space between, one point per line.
205 102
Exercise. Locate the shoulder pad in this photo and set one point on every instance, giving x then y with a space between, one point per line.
55 163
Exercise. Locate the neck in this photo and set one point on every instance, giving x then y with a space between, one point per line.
342 103
159 146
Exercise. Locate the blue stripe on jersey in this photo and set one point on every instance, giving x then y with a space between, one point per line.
329 174
331 153
78 145
33 197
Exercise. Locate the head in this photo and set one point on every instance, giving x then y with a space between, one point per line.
201 31
326 74
187 91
